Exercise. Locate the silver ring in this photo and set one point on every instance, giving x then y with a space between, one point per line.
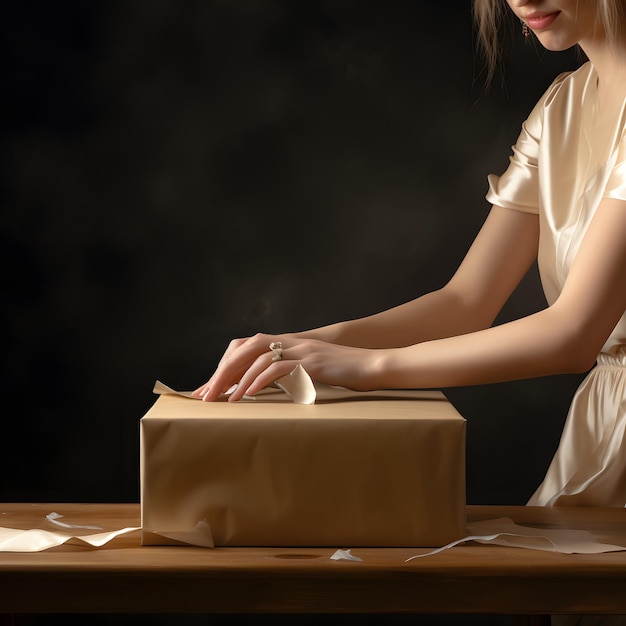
277 348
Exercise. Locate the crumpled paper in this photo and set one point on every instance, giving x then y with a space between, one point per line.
37 539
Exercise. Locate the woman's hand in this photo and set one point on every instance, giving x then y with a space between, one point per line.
252 365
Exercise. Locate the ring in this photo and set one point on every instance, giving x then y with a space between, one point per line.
277 348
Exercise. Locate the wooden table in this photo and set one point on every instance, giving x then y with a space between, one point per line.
125 577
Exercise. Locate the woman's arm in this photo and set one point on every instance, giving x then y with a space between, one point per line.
566 337
498 259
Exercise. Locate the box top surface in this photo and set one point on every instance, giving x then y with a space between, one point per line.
331 403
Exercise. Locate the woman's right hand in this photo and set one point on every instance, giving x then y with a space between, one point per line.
235 362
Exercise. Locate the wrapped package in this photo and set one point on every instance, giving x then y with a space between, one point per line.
353 469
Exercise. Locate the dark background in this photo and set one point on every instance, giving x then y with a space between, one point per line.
176 174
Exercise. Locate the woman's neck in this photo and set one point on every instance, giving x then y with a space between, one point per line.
609 61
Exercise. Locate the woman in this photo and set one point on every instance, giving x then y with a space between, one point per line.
562 201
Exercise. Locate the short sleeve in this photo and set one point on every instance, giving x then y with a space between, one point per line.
616 185
518 187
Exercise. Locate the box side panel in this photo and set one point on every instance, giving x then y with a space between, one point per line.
306 482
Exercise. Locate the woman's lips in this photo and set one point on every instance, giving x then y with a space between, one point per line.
539 22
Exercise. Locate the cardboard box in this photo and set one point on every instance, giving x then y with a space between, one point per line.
353 469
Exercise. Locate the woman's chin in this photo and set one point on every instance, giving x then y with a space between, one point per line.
555 44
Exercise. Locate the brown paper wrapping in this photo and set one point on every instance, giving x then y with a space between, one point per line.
353 469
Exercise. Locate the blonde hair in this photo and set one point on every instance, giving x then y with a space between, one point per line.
489 14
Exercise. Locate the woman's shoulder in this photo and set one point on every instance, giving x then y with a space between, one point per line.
573 81
561 103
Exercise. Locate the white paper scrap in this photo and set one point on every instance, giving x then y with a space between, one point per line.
344 555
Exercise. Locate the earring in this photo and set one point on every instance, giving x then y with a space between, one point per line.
525 30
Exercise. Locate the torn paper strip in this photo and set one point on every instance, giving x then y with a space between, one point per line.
36 539
505 532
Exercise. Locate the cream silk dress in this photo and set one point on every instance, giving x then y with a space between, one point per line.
566 159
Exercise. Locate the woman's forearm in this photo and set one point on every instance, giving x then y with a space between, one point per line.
541 344
441 313
564 338
497 260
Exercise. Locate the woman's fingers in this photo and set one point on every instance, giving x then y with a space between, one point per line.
212 389
254 363
237 361
262 373
205 389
